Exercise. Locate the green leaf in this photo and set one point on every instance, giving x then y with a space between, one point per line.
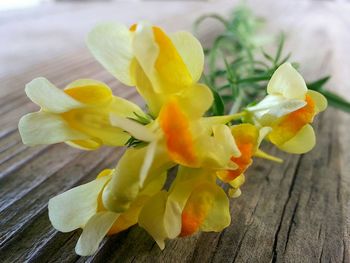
318 84
218 106
336 101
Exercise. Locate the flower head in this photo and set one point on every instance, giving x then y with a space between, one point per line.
77 115
82 207
288 109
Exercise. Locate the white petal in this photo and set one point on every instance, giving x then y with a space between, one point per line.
191 52
111 45
302 142
134 128
276 105
286 81
48 97
94 231
46 128
72 209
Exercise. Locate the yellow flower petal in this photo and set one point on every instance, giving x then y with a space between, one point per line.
285 128
191 52
196 100
238 181
134 128
151 218
46 128
172 71
126 183
146 52
89 91
206 209
224 137
186 181
94 231
144 87
130 216
111 45
286 81
49 98
319 99
88 144
160 60
72 209
302 142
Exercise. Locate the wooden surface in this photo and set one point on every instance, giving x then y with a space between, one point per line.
295 212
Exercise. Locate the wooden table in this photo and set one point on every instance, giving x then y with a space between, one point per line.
295 212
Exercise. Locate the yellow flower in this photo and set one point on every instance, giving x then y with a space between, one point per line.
165 70
288 109
81 207
177 136
77 115
194 203
159 65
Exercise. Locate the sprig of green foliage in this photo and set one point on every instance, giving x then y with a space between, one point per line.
238 69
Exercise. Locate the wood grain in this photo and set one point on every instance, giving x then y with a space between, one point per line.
298 211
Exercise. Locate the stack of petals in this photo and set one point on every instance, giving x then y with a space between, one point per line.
165 69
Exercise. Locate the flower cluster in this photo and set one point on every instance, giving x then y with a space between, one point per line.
174 131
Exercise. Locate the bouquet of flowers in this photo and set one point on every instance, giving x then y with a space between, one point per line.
184 125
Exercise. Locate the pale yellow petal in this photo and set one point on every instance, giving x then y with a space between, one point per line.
263 132
49 98
72 209
196 100
319 100
146 52
111 45
238 181
223 136
286 81
191 52
134 128
125 108
151 218
94 231
186 181
234 193
88 144
302 142
125 185
95 123
207 209
46 128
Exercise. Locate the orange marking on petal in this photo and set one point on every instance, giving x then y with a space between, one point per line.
288 126
176 128
246 136
195 211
